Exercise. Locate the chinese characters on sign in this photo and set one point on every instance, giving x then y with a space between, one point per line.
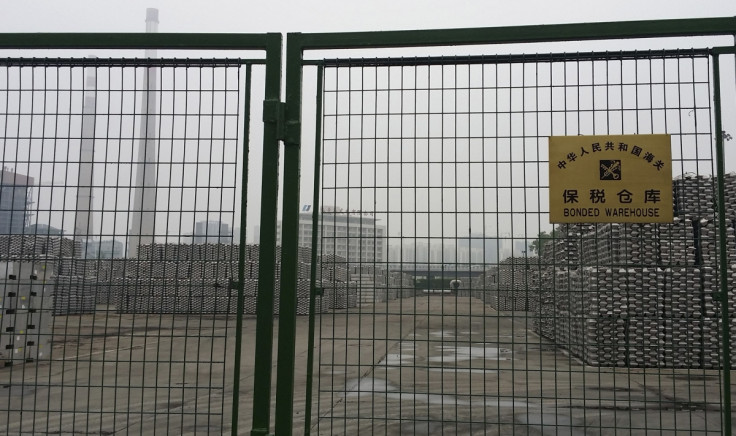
621 178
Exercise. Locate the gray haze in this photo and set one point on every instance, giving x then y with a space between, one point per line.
331 16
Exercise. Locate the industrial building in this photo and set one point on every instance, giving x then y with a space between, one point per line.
212 232
356 237
15 201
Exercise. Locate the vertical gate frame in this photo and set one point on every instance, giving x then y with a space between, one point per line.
271 44
723 255
299 43
267 256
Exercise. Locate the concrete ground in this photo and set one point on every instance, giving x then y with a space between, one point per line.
424 365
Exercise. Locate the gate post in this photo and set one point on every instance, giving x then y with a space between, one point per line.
289 238
267 255
722 255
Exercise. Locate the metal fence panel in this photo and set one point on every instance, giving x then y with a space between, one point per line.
120 247
456 307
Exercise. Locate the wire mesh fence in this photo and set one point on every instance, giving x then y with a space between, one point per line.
448 302
120 243
463 309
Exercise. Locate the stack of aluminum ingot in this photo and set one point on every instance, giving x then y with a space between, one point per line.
14 246
567 246
74 295
322 302
164 274
75 286
518 278
400 285
711 252
693 196
710 240
610 302
546 313
160 295
679 243
371 289
333 276
644 248
642 295
108 269
203 273
486 287
321 305
372 283
250 291
730 199
333 268
555 320
341 295
25 312
109 275
73 266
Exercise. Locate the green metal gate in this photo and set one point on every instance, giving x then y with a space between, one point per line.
127 282
443 299
440 299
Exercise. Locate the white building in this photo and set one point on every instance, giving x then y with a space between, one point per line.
15 201
212 232
353 236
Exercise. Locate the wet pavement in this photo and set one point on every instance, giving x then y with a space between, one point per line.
450 365
427 365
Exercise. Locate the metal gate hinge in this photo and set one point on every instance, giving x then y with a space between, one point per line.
292 131
274 111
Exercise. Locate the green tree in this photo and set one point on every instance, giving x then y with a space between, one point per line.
542 238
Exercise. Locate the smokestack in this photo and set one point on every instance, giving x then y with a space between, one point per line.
83 220
144 203
151 20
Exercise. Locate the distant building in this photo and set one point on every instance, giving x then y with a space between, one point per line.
42 229
212 232
478 250
422 250
15 201
355 237
106 249
414 251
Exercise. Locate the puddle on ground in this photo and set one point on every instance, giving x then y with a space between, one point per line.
464 370
551 424
443 333
456 354
368 386
397 359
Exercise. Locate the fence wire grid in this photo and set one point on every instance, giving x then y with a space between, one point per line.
120 248
454 306
424 290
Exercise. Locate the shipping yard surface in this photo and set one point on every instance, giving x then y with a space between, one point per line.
435 364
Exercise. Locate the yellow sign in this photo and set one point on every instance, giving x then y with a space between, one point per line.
610 179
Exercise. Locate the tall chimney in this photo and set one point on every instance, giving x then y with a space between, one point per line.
144 203
83 220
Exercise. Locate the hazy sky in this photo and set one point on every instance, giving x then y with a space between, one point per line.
334 16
